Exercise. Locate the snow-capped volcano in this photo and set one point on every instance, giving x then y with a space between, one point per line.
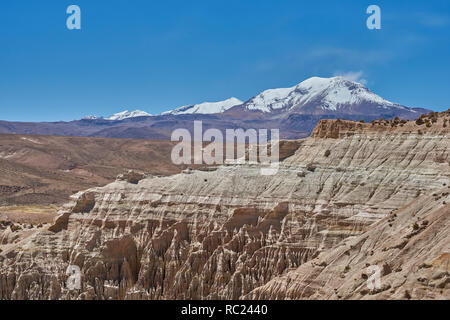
328 94
206 107
128 114
313 96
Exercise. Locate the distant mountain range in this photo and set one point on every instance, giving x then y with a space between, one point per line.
295 111
121 115
206 107
322 96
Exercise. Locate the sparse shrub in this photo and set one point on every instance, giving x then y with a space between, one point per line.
419 121
301 174
327 153
311 167
407 295
440 159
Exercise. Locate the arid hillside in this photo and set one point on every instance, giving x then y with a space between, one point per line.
353 194
44 170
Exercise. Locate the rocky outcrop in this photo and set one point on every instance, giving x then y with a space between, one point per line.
131 176
410 250
230 233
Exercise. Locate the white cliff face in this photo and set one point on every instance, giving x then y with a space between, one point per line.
223 234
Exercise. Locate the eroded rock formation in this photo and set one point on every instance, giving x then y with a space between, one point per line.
231 233
410 248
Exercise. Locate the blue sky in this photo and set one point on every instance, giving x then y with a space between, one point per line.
158 55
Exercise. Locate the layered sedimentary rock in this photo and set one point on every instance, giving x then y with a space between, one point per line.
404 256
226 232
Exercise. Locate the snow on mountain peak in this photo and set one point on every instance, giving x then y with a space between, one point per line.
328 93
128 114
90 117
206 107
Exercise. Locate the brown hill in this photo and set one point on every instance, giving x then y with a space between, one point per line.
44 170
48 169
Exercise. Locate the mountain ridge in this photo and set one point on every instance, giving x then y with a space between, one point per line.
295 111
328 93
206 107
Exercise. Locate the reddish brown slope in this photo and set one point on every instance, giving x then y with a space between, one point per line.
47 169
